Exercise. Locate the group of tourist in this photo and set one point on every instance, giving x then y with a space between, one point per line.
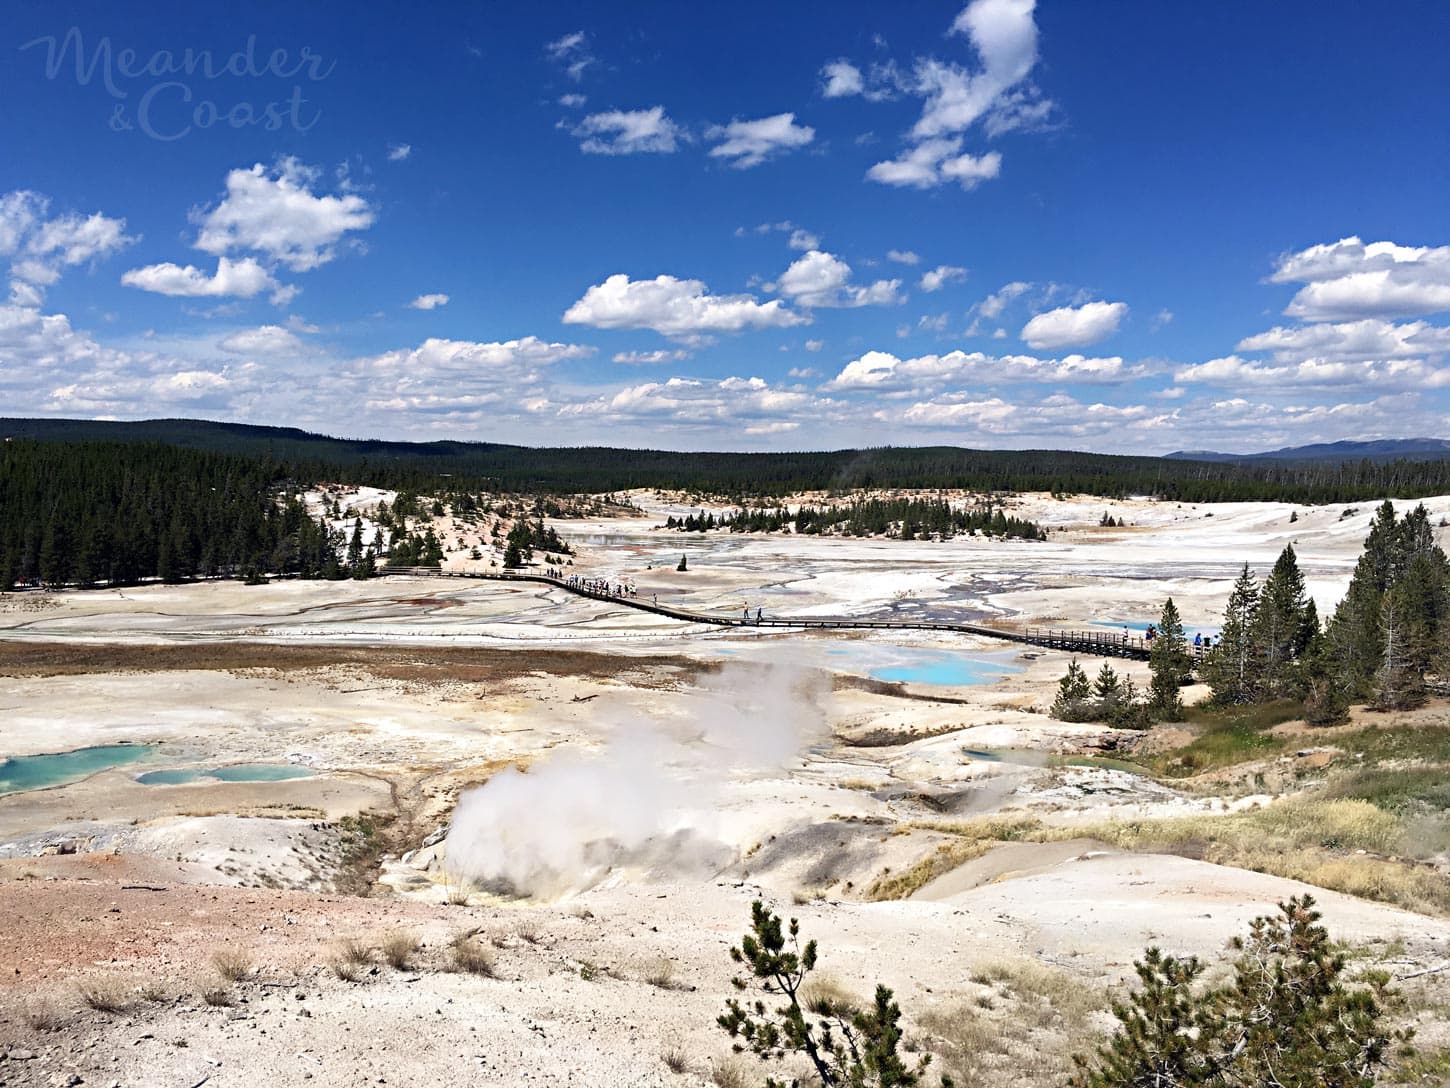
601 585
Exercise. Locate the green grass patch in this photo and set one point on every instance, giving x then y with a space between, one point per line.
1227 736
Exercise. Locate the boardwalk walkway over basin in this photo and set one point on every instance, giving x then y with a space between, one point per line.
1094 643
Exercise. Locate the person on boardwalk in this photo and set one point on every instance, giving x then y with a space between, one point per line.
745 614
757 617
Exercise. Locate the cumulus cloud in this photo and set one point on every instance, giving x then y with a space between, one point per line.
751 405
841 79
429 302
399 152
803 239
448 374
1235 372
573 101
1351 341
940 276
675 307
42 246
1348 279
244 278
933 162
265 340
996 92
902 256
881 370
992 306
1074 326
744 144
275 212
818 279
629 132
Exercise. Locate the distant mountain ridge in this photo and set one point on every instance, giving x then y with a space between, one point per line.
1383 449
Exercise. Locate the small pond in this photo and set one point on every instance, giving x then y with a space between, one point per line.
56 768
240 772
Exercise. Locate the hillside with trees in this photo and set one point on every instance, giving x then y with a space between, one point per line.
566 470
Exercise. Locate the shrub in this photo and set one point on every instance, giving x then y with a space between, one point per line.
1288 1017
104 994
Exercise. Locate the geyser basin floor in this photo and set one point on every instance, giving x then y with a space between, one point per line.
57 768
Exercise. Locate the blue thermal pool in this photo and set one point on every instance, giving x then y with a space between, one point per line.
56 768
241 772
942 669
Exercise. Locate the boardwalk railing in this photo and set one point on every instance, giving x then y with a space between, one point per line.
1095 643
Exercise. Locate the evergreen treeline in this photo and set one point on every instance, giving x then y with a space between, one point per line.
90 512
906 519
492 467
1389 631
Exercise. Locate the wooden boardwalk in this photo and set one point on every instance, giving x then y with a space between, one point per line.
1092 643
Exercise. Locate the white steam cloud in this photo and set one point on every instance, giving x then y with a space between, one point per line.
648 804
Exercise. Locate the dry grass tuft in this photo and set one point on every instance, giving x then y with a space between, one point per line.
153 991
729 1074
825 996
398 947
105 993
676 1061
232 964
661 975
41 1014
218 997
470 956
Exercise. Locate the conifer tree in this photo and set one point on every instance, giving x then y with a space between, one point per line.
1170 664
1231 667
1074 696
1281 628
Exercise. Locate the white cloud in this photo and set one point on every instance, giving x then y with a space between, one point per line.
1074 326
399 152
996 93
940 276
819 279
1348 279
429 302
1351 341
933 162
803 239
573 101
265 340
902 256
751 405
243 278
1004 36
881 370
841 79
815 345
442 373
629 132
275 212
992 306
675 307
572 53
1235 372
648 358
42 247
749 143
1161 320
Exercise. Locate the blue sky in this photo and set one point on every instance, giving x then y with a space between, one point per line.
1128 227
